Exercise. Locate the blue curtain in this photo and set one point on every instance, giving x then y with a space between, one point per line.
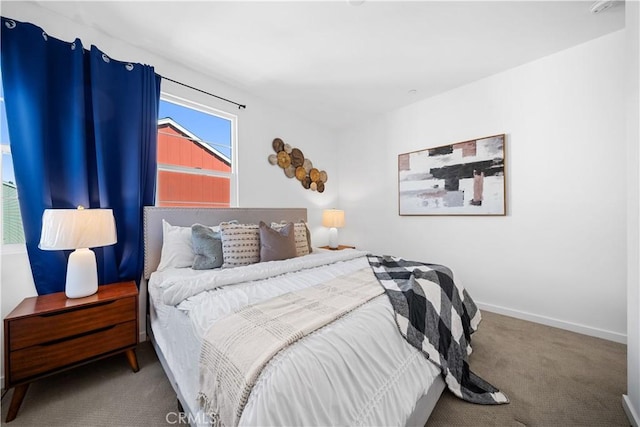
83 131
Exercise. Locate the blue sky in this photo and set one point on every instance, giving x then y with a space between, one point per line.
211 129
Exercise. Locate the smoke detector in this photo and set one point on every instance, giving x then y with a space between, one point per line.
601 5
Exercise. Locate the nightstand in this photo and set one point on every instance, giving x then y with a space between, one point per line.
48 334
339 248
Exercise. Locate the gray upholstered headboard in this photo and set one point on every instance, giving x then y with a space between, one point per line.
186 217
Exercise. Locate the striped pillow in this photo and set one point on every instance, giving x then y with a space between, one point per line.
240 244
300 232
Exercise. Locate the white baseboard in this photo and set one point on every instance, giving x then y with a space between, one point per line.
634 417
142 336
549 321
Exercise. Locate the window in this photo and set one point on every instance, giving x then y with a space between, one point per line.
12 231
195 155
195 161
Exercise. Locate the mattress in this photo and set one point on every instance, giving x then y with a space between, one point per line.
356 371
179 349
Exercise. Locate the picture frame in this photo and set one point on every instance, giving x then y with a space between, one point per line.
464 178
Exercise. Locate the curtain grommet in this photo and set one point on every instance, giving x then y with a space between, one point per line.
45 36
129 66
10 24
105 58
73 46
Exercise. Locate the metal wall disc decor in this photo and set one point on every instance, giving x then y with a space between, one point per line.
278 145
292 161
284 160
308 165
297 158
300 173
290 171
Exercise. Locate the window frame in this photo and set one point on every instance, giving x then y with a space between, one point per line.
233 175
5 148
7 248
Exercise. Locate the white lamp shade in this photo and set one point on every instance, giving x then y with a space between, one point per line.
77 228
333 218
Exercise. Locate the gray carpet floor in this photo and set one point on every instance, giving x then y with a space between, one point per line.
103 393
553 378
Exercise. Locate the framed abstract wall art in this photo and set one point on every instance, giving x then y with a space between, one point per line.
466 178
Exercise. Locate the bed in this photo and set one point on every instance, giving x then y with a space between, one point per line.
357 370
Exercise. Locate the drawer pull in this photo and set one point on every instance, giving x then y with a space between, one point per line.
99 304
95 331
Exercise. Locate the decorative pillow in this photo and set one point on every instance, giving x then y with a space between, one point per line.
302 236
306 229
177 251
240 244
277 244
207 247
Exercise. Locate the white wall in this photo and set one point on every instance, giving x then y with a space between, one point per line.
559 255
260 184
631 401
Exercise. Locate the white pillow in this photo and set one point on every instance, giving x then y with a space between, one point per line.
177 249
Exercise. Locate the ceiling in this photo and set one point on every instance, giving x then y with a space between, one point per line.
336 62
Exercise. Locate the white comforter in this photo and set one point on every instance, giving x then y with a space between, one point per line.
356 371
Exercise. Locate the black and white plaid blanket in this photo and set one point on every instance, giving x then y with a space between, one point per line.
436 316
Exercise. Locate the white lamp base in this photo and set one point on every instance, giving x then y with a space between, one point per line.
82 274
333 238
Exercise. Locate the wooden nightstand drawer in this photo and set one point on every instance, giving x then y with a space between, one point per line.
35 360
49 327
51 333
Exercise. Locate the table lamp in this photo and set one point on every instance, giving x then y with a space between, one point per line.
334 219
78 229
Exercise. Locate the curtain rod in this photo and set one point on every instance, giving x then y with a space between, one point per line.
240 106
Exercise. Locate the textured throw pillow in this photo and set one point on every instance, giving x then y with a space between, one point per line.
308 233
276 245
240 244
207 247
302 236
177 251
